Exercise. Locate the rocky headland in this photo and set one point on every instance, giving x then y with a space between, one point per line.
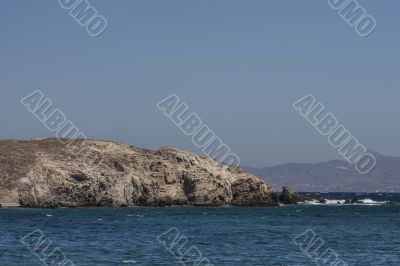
51 173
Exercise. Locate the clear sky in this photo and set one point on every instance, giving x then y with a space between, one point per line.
238 64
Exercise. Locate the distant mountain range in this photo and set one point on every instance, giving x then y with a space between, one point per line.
333 176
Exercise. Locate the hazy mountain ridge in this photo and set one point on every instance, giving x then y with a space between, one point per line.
333 176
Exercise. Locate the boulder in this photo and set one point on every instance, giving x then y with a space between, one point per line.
289 196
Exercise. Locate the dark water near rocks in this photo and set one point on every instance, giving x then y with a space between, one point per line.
359 234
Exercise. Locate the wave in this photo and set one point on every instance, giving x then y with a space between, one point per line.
365 202
129 261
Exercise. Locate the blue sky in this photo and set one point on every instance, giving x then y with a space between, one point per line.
238 64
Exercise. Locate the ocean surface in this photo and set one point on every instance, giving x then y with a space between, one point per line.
306 234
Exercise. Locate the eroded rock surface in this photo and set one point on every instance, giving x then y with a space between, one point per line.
65 173
289 196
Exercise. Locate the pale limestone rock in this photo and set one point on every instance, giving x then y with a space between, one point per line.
65 173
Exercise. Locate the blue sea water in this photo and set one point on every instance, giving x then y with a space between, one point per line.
366 234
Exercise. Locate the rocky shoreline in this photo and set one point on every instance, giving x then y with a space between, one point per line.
51 173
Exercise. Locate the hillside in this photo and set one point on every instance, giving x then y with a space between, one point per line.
80 173
333 176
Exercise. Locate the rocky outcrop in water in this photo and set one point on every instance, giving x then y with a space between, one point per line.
353 201
88 173
289 196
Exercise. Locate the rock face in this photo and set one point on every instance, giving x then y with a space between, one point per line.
83 173
289 196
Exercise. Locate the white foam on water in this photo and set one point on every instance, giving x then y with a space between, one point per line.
335 202
372 202
366 202
129 261
135 215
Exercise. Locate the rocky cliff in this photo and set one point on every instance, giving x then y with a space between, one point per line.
79 173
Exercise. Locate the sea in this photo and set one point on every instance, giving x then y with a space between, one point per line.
366 233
